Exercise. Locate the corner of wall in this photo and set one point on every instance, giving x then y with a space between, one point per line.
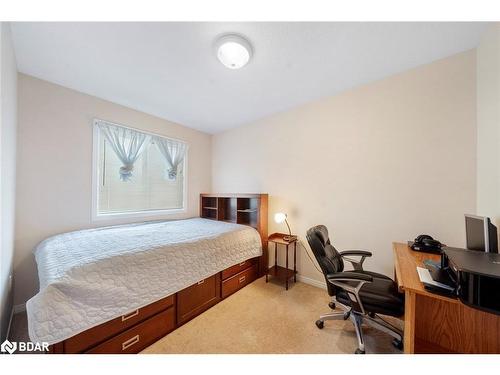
8 140
488 124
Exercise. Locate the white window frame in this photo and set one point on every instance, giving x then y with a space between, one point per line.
96 160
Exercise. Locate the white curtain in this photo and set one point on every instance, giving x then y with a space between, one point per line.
173 153
127 145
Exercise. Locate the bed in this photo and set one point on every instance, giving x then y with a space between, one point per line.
117 289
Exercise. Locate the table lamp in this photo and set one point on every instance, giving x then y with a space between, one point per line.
279 218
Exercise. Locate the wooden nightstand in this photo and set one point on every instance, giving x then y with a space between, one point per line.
279 272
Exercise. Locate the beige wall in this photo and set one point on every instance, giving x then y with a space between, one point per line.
8 124
55 165
488 124
380 163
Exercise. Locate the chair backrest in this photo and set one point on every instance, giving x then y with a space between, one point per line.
327 256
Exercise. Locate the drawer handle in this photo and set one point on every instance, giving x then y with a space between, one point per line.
127 344
201 282
242 263
242 278
130 315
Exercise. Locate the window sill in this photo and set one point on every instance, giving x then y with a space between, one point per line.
136 214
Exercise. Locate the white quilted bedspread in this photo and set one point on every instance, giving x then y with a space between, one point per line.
90 276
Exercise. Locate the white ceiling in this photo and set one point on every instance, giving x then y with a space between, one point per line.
170 69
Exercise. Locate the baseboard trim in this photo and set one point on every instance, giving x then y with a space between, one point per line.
16 309
10 324
313 282
19 308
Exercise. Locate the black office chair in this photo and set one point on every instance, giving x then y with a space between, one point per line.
361 294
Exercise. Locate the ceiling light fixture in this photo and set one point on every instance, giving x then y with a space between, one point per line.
233 51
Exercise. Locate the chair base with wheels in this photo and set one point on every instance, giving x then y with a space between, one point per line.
372 319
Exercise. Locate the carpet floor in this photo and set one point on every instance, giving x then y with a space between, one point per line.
265 318
261 318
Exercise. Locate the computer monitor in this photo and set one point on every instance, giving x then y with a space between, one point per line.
481 234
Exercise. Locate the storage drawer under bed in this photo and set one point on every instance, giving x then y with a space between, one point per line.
197 298
140 336
237 268
238 281
94 336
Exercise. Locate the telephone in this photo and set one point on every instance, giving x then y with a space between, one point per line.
427 244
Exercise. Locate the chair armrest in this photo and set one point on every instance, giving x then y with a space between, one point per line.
339 279
349 276
363 253
356 264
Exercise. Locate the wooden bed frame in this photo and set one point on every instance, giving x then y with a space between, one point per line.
140 328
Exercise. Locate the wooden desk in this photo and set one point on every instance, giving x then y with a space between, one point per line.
438 324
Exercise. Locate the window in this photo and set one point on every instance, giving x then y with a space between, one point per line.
137 173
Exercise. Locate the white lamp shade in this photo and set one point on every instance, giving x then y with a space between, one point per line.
279 217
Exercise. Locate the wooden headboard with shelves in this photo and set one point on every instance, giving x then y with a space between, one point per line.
245 209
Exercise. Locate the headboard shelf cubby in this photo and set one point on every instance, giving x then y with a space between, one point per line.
245 209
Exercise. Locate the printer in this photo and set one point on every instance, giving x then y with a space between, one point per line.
476 276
